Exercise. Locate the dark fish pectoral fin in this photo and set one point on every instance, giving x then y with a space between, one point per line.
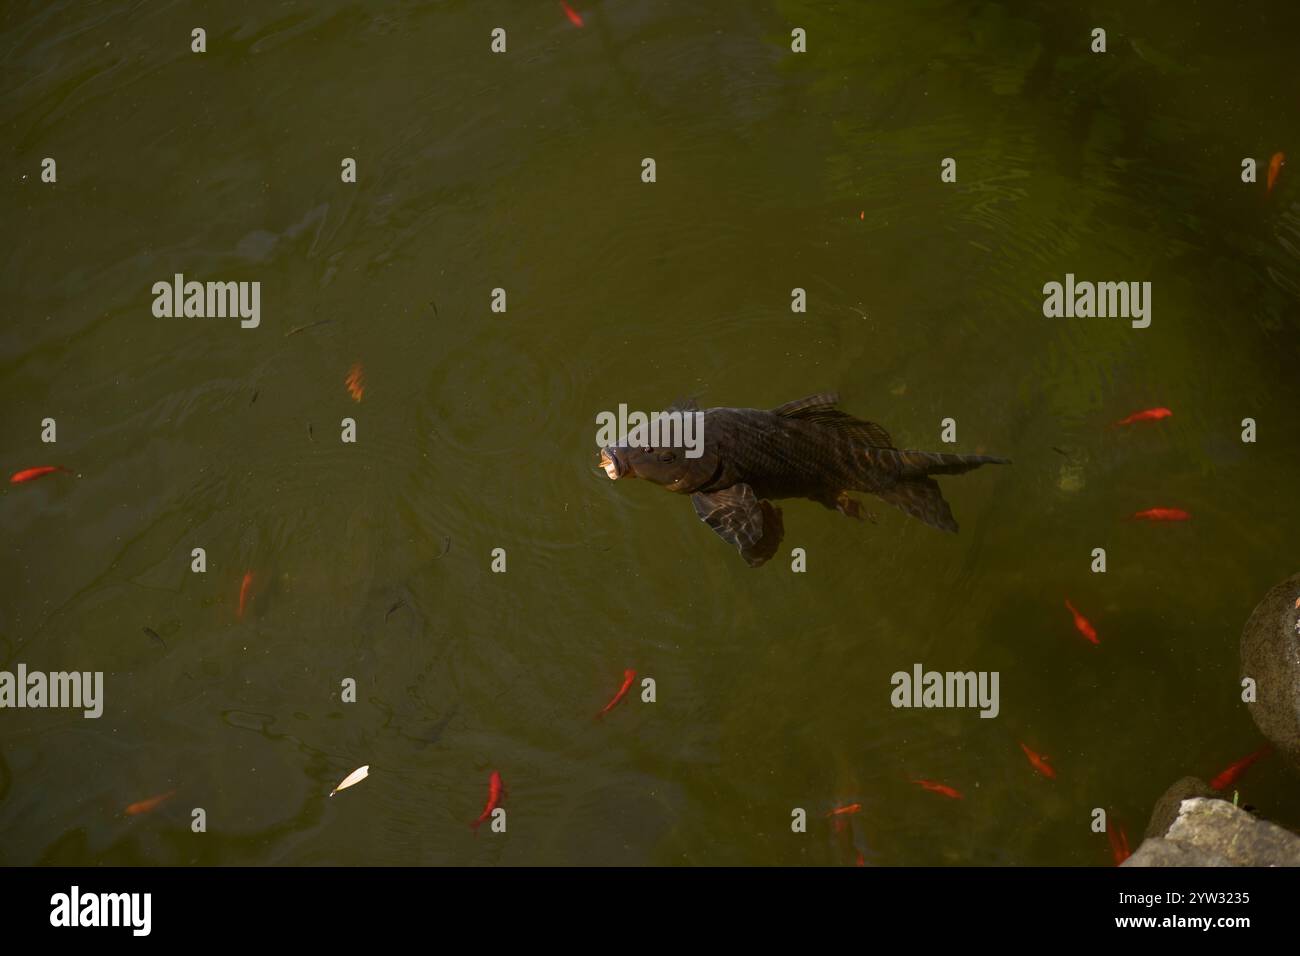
773 532
753 527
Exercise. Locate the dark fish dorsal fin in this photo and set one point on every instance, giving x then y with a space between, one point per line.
864 431
877 436
821 410
807 407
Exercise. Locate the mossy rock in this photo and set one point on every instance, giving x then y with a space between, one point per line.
1270 655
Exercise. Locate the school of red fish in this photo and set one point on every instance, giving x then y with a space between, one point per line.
1116 835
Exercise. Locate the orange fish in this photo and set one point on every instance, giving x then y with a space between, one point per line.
144 806
862 861
933 787
841 815
1118 843
495 791
629 675
31 474
244 589
572 14
1230 775
1149 415
1039 763
1274 170
356 382
1161 514
862 215
1082 625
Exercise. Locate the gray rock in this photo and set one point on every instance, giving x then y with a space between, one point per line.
1167 807
1270 654
1167 853
1210 832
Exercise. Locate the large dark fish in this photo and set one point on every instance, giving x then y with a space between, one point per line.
804 449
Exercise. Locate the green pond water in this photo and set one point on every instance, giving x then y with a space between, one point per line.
476 430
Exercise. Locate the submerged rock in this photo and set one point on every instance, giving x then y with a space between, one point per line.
1270 655
1209 832
1072 476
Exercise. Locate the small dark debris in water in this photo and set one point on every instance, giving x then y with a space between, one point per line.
309 325
399 605
153 636
255 394
1061 451
446 546
435 306
309 434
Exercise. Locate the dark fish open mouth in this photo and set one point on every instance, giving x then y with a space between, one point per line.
609 461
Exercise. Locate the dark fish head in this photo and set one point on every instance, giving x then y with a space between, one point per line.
669 467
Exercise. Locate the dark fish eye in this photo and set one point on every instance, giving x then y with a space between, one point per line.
667 456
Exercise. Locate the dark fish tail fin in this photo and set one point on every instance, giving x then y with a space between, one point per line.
922 499
919 464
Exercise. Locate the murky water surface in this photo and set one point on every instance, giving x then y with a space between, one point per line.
522 171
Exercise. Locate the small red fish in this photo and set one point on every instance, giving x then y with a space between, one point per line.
144 806
1161 514
1149 415
1082 625
244 588
629 675
1230 775
933 787
1118 842
862 215
862 861
1039 763
31 474
495 792
1274 170
841 815
356 382
572 14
